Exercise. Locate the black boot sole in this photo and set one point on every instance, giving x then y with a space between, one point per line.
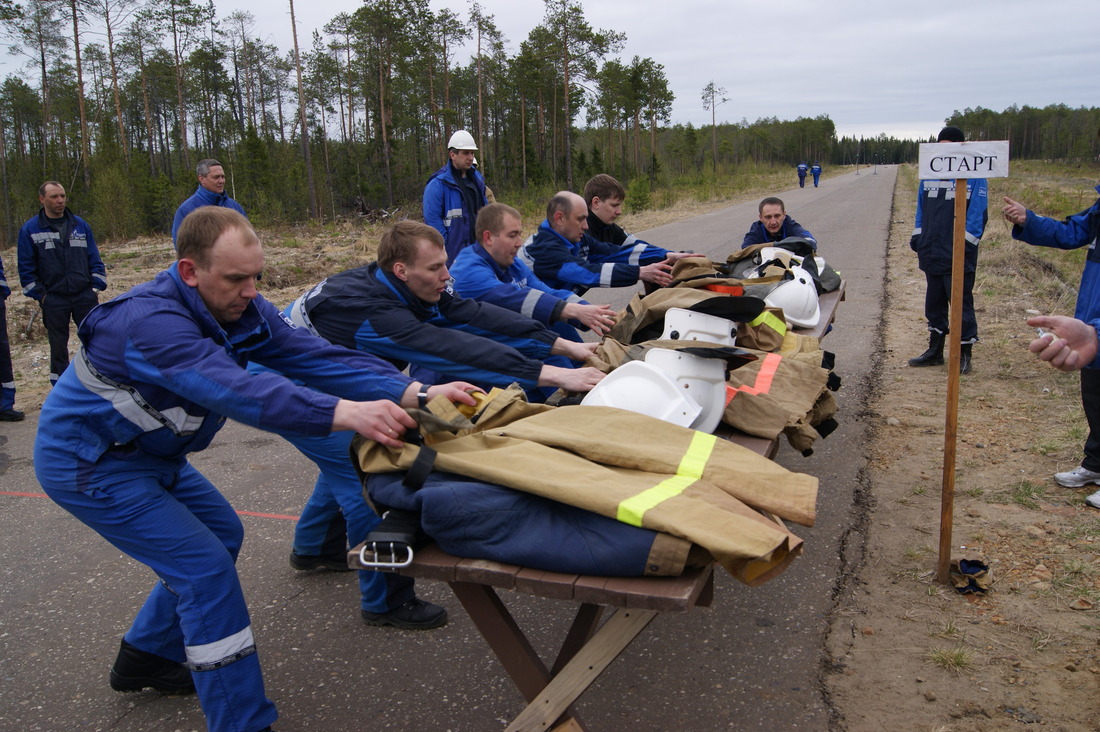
127 684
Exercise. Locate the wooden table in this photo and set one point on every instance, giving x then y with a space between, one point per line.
586 651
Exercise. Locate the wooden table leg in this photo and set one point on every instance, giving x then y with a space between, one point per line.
577 675
511 647
584 625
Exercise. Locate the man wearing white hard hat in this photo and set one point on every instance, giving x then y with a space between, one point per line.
454 194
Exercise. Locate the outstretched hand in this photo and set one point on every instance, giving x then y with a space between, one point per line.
659 273
1015 212
597 318
1069 344
381 421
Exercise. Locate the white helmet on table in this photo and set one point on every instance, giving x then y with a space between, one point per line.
643 388
682 324
798 298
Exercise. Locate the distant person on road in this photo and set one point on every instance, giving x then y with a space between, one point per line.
8 412
489 271
566 257
210 192
815 169
59 266
802 170
454 194
775 225
161 368
932 240
1079 230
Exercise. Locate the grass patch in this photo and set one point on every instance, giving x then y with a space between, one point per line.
1023 493
955 660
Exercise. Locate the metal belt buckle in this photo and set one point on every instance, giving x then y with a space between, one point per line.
379 556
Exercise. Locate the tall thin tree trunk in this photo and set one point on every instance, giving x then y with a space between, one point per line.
302 117
122 140
179 93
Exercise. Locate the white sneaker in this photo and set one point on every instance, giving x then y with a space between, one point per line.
1079 476
1093 500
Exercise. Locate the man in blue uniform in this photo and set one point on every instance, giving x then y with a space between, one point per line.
564 256
489 271
932 240
454 194
211 192
1079 230
802 170
815 170
398 308
8 412
59 266
775 225
160 369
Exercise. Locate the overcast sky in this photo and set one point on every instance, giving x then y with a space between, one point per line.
871 65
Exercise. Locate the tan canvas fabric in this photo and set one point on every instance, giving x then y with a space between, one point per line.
766 396
670 479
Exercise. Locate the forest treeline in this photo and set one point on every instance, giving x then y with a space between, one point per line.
119 99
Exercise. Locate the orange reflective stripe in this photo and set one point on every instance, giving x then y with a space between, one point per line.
764 379
726 289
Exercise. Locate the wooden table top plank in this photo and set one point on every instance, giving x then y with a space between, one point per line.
555 585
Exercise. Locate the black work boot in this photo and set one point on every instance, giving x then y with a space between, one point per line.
964 358
135 670
934 355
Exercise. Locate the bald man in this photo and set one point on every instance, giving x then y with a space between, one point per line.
565 257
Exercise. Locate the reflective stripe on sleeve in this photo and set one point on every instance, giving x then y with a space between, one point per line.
771 320
690 470
606 273
530 302
764 378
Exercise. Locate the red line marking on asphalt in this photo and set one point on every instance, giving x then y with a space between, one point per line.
239 513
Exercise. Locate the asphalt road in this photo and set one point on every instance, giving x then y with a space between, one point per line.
753 661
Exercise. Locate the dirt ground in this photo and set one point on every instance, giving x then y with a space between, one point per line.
905 652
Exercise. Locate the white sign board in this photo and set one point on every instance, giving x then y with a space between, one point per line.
963 160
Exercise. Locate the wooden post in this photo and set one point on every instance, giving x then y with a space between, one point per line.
950 432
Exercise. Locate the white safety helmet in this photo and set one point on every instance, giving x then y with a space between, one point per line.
643 388
461 140
798 298
702 379
687 325
786 256
789 258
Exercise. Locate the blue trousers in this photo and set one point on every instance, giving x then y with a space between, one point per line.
937 299
166 515
338 491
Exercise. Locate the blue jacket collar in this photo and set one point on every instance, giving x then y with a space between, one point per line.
210 198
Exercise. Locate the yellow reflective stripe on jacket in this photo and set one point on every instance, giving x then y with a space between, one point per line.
772 321
690 470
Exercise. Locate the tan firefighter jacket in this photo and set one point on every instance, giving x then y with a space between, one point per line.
643 471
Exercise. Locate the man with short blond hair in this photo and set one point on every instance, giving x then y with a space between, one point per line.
401 308
210 192
489 271
161 369
59 266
